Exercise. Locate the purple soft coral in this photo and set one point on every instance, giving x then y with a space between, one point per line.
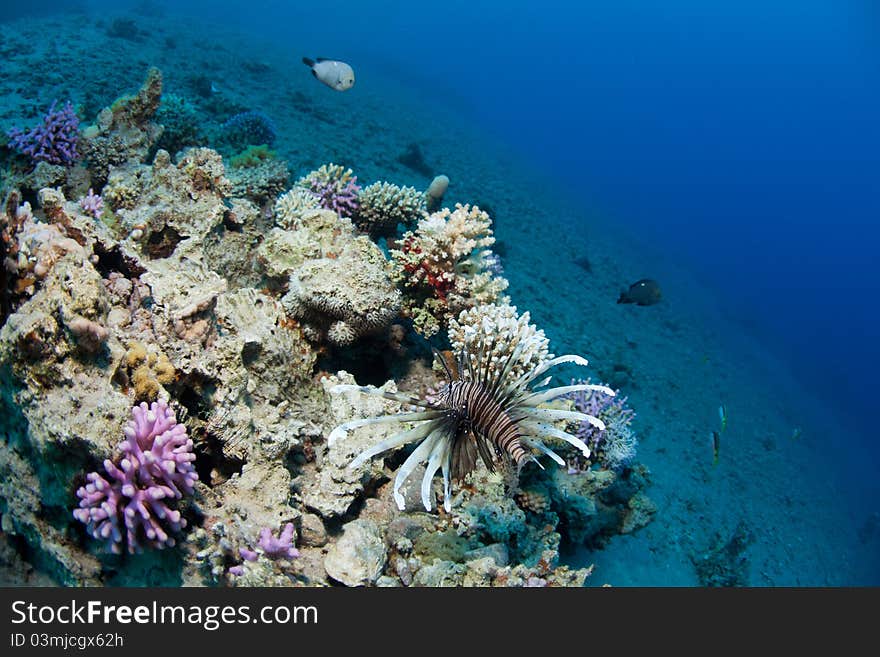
281 547
597 404
92 204
272 548
53 141
156 465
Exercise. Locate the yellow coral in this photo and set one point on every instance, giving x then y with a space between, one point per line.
146 387
164 370
136 354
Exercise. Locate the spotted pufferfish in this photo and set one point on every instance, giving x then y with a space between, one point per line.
482 412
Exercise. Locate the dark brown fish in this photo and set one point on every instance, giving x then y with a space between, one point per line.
645 292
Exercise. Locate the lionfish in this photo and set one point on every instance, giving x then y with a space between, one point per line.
483 411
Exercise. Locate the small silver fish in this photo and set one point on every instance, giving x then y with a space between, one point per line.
336 75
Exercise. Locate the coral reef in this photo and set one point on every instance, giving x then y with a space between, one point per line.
481 413
257 174
442 267
500 330
292 204
615 446
156 464
176 271
343 298
250 128
125 132
92 204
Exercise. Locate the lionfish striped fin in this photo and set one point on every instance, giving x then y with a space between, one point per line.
342 430
553 393
397 440
544 428
378 392
418 455
560 414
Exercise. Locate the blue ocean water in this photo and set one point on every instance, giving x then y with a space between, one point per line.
735 144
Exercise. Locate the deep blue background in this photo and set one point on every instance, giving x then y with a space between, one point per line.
741 138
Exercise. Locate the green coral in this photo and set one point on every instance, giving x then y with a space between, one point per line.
252 156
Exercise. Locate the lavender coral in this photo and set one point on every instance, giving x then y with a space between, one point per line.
156 467
53 141
92 204
335 187
270 546
615 444
273 548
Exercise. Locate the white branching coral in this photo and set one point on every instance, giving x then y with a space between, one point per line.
444 267
291 205
384 205
500 330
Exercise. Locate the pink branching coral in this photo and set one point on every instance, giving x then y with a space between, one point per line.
445 266
92 204
272 547
335 187
156 467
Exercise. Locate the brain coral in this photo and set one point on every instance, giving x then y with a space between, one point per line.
343 298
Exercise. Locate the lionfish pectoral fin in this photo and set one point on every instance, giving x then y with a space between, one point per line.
464 456
483 448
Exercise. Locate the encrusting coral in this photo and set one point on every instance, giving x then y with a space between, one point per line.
124 132
344 298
